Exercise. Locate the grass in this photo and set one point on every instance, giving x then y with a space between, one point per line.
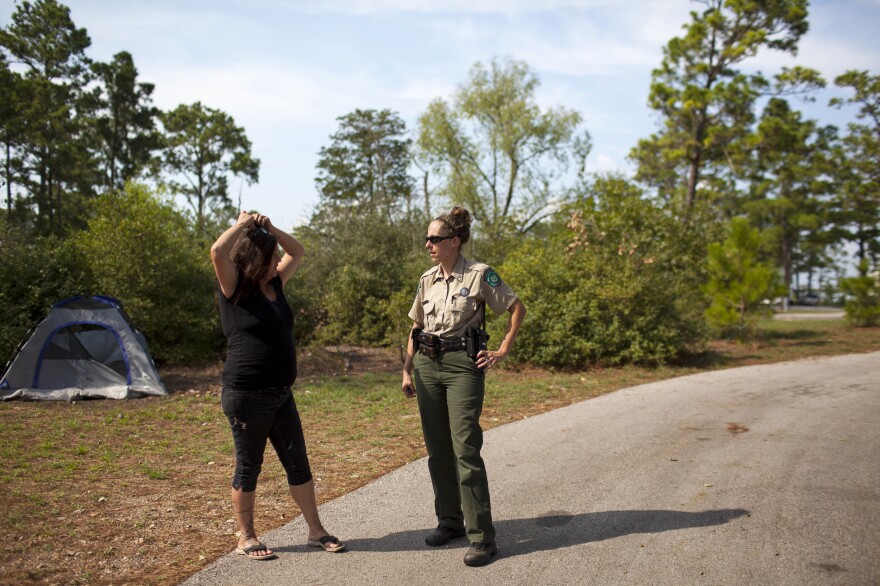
138 491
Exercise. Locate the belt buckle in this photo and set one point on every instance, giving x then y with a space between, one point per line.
450 344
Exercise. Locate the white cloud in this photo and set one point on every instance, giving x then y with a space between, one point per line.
286 69
422 90
605 163
600 38
504 7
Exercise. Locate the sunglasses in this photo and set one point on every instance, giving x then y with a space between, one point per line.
437 239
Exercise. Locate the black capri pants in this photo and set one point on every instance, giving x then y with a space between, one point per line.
258 415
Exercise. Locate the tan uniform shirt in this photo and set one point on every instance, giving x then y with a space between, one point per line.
446 307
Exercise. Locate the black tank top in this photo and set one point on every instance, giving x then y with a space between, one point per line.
260 353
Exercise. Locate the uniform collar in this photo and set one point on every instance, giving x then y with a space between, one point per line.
457 271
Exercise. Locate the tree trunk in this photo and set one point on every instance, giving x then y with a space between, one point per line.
58 214
786 258
427 195
694 168
693 177
200 204
8 180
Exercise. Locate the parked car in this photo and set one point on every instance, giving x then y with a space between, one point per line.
776 302
808 299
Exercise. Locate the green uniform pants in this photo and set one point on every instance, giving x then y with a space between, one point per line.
450 392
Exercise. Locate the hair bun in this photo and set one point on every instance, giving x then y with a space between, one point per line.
458 221
462 215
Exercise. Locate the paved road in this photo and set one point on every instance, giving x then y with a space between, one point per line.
817 313
758 475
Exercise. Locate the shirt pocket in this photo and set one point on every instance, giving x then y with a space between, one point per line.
464 306
429 312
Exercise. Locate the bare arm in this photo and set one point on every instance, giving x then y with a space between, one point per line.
227 273
407 386
293 249
485 358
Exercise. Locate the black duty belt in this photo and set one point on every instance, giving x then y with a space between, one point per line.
430 345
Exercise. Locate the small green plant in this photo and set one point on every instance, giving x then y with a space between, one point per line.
154 473
863 304
739 279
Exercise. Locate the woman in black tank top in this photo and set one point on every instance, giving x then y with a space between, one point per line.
259 371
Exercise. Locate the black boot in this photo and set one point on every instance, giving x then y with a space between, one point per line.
442 534
480 554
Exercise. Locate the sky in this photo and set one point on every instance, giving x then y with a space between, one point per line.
285 70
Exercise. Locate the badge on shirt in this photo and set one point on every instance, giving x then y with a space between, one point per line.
492 278
464 292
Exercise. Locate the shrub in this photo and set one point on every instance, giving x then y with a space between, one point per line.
35 272
863 304
615 284
143 251
739 279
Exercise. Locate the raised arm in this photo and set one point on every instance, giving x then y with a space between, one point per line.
293 249
227 273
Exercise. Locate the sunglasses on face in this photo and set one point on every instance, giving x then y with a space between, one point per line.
437 239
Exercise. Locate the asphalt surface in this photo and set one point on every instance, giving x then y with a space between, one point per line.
816 313
758 475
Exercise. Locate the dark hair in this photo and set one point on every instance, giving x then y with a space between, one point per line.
252 253
458 222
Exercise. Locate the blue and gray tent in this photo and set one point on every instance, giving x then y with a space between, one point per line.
86 347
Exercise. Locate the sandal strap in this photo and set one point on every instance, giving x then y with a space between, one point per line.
256 547
328 538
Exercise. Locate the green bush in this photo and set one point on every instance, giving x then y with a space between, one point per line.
348 290
35 272
863 298
143 251
617 283
739 279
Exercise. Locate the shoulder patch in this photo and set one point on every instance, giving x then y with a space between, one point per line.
492 278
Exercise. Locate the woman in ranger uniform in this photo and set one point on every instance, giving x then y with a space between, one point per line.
445 367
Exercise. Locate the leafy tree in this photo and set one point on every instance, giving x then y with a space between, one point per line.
863 304
125 122
38 270
788 168
362 240
497 152
616 283
54 156
347 291
857 167
143 251
12 129
366 164
705 103
203 147
739 278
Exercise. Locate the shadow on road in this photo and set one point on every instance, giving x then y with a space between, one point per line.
555 530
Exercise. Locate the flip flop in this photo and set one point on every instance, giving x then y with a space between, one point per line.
246 551
328 543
